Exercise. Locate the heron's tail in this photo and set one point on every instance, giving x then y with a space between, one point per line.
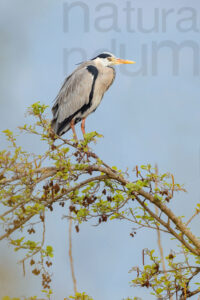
60 128
54 125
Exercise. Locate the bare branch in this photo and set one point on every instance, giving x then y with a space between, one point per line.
19 225
192 217
71 257
167 211
158 230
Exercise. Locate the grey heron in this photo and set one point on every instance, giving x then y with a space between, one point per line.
82 92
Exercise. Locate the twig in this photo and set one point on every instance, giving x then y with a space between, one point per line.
182 268
79 185
38 249
70 255
192 217
166 210
10 231
171 230
158 230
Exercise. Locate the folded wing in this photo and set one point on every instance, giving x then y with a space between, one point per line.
73 98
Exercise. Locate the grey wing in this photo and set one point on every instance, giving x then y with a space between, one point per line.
73 96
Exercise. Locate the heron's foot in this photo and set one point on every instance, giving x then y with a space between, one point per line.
73 130
83 127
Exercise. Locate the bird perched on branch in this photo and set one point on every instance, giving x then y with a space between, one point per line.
83 91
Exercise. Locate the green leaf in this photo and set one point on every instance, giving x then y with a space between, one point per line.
49 251
159 290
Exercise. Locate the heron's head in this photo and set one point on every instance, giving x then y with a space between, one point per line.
108 59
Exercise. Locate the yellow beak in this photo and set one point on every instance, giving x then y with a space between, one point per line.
118 61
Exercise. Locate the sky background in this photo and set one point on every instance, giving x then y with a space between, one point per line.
144 118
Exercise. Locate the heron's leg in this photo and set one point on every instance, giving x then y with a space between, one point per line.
83 126
73 129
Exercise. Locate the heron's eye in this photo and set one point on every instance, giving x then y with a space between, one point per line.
109 58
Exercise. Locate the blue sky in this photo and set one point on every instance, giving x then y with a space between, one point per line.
144 118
